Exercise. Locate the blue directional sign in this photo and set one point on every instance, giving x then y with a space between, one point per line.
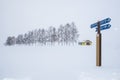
107 20
107 26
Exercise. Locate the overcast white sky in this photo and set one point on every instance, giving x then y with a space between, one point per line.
21 16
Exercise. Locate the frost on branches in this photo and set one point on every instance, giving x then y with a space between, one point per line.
67 34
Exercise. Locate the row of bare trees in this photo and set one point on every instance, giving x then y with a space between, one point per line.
67 34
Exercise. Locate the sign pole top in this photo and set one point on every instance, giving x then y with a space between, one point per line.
98 23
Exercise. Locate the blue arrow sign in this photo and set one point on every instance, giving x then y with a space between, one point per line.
107 20
107 26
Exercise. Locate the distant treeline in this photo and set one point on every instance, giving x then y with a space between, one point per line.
67 34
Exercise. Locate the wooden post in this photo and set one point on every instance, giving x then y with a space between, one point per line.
98 46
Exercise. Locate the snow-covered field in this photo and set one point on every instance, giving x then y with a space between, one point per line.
56 62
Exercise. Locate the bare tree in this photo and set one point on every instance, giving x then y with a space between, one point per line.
10 41
19 39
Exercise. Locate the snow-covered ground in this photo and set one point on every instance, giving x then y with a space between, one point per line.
56 62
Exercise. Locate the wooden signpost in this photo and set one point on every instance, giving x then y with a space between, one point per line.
98 27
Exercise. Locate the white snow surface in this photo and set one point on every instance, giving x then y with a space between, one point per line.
73 62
